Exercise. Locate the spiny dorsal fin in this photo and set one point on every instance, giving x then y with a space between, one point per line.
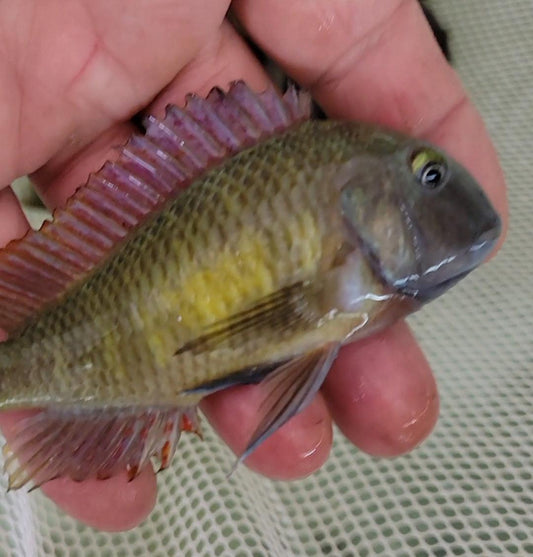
150 170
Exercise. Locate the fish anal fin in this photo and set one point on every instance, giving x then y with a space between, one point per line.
289 389
83 444
281 310
149 171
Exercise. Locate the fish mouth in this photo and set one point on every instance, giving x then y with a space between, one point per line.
432 279
428 293
440 277
434 272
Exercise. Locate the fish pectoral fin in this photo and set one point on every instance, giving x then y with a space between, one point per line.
290 388
280 310
93 443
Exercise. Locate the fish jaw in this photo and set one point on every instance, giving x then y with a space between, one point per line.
436 279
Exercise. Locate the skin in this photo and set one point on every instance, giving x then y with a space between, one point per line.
74 73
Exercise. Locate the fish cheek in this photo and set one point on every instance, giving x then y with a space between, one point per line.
376 222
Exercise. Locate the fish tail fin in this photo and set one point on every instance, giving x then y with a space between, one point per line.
95 443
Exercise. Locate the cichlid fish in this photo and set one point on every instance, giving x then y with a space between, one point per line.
292 238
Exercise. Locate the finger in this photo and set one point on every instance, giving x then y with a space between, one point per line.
377 62
382 394
222 59
72 70
296 450
57 180
115 504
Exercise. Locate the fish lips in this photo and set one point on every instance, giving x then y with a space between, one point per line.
439 277
435 275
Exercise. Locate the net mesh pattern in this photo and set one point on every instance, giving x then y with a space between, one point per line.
469 489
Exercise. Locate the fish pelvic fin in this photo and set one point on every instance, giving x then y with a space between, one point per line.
96 443
289 389
150 170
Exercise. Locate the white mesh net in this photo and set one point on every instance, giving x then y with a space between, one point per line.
466 491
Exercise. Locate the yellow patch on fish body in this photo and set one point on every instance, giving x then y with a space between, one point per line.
241 273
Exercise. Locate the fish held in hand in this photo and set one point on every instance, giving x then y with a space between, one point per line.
234 242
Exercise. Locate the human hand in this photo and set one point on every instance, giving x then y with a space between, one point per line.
74 73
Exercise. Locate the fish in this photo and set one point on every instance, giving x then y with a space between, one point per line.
235 241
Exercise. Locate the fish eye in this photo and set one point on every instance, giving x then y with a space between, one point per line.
429 168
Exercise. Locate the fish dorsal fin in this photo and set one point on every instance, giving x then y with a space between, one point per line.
150 170
92 443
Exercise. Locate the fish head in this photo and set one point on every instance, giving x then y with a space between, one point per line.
421 219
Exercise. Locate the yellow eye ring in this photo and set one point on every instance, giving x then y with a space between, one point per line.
430 168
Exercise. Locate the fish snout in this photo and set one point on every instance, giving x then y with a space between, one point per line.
441 275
